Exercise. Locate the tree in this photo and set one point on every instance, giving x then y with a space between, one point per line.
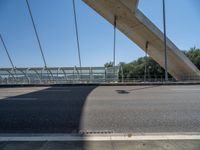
109 64
136 69
194 55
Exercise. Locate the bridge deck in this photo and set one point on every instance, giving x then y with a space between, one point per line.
108 109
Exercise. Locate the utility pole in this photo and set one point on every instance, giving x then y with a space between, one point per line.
165 42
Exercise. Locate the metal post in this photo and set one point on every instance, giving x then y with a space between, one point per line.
90 80
165 42
27 70
105 76
73 73
114 40
114 45
122 71
145 67
57 75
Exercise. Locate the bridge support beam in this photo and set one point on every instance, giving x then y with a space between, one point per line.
138 28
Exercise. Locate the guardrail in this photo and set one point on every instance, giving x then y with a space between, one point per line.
76 75
62 75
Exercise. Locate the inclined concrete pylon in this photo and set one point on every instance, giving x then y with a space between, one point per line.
137 27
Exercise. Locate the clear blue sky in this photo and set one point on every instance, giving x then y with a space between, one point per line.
54 20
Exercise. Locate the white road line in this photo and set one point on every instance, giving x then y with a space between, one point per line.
20 99
17 91
35 91
3 97
184 89
55 91
109 137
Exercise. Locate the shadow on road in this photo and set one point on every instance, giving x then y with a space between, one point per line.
52 110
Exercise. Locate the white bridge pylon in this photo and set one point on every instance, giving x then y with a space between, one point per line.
137 27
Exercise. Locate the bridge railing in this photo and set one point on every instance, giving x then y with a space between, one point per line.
137 79
62 75
75 75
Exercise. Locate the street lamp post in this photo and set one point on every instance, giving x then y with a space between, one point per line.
165 42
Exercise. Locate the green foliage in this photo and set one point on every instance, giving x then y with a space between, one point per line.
136 68
109 64
194 55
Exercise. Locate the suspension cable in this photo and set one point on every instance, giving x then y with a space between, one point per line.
77 35
4 45
114 40
36 33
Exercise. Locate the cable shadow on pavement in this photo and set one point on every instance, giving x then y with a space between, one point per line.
51 110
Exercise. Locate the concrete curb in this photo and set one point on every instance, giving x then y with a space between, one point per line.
101 84
100 137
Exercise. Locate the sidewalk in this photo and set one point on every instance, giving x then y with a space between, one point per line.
101 142
103 145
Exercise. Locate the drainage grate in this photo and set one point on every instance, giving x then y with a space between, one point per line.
88 132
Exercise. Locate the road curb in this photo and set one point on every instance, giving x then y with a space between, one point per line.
98 137
100 84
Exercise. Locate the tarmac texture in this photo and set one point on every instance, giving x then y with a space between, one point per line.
96 109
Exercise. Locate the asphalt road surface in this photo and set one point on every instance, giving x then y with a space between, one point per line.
113 109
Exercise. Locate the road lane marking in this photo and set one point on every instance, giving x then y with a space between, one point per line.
3 97
56 91
188 89
19 99
35 91
102 137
